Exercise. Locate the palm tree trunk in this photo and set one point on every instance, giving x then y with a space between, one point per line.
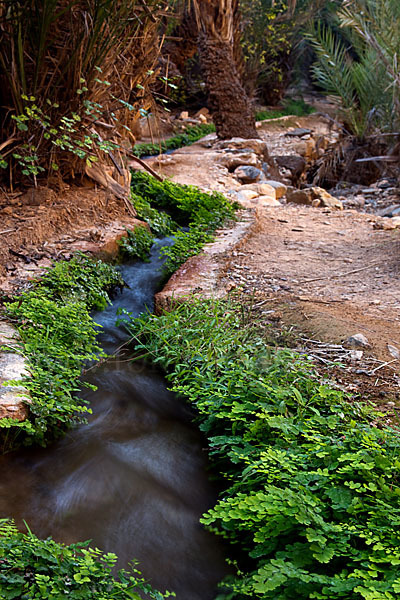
228 102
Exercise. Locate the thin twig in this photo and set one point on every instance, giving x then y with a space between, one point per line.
342 274
383 365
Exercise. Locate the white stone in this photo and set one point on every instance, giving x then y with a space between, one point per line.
358 340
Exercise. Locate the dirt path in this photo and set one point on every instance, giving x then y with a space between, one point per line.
334 273
323 274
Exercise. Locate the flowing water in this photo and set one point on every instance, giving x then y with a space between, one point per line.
134 479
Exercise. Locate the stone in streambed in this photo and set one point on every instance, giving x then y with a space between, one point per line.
262 189
258 146
248 194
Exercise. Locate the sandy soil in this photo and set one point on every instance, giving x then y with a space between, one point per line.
42 225
321 274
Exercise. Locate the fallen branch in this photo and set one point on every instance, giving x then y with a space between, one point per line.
145 166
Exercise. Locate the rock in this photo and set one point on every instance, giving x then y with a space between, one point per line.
13 398
356 354
248 174
203 118
268 201
395 352
248 194
258 146
184 115
262 189
300 197
298 132
390 211
203 111
358 340
231 161
357 201
326 200
314 196
293 163
307 149
280 188
387 223
265 189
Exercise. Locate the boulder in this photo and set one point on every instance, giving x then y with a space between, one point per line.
249 194
280 188
390 211
231 161
299 132
300 197
314 196
293 163
203 112
248 174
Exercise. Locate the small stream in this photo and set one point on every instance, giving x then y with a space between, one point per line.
134 479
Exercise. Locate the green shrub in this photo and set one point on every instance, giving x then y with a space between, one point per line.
159 222
187 244
191 135
290 107
80 280
137 243
58 336
312 498
31 568
203 212
188 204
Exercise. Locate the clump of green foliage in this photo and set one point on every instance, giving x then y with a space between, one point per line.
186 203
357 64
58 335
299 107
191 135
312 498
202 212
160 223
35 568
79 280
187 244
137 243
